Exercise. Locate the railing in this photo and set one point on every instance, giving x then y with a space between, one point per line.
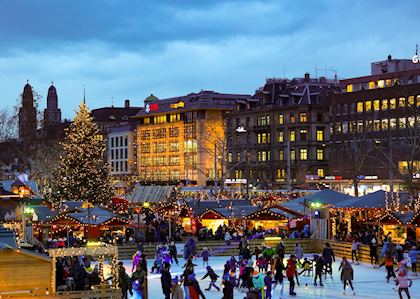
91 294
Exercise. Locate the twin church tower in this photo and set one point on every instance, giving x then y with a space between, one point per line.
28 127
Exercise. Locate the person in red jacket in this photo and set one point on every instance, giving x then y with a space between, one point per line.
291 272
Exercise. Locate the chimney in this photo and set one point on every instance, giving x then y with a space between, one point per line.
307 77
127 104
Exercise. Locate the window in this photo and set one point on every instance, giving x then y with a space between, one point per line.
159 133
393 123
126 141
411 101
174 146
238 156
303 154
381 83
147 120
126 153
112 154
384 105
319 117
264 156
292 154
360 126
319 135
353 127
359 107
376 125
292 135
230 157
401 102
281 173
376 105
368 106
350 88
263 120
411 121
320 172
112 141
292 119
174 117
174 160
369 125
372 85
345 127
238 174
173 132
303 117
320 154
263 138
392 103
384 124
303 133
161 119
402 123
281 156
281 136
418 101
281 119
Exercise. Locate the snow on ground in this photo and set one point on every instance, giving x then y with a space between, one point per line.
368 282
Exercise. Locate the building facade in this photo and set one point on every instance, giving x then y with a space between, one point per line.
280 136
27 116
181 140
375 136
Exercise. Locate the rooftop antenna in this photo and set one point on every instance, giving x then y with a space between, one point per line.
84 94
112 101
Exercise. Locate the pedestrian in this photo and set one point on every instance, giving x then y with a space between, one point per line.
194 288
177 292
136 260
124 281
173 252
281 250
258 282
213 278
291 272
138 282
328 258
268 282
346 275
319 267
205 255
228 238
373 252
413 258
354 251
166 281
403 283
278 273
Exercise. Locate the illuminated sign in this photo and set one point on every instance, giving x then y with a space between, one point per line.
416 175
311 177
235 181
151 107
334 177
416 57
241 130
178 105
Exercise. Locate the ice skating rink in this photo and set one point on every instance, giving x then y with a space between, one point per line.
368 282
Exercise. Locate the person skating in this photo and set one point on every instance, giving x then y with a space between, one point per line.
319 268
298 253
194 288
346 275
136 260
166 281
403 283
389 266
278 274
205 255
137 282
184 277
291 273
354 251
306 267
281 250
173 252
229 283
373 252
413 258
124 281
268 282
328 258
213 278
258 282
177 292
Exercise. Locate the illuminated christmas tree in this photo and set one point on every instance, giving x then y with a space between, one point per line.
83 174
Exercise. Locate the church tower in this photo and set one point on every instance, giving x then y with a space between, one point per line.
27 115
52 115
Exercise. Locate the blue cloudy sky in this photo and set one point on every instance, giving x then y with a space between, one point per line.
129 49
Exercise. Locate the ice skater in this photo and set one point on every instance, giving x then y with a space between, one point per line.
346 275
389 266
354 251
291 273
268 282
174 252
403 283
329 258
205 256
413 258
213 278
319 267
278 274
306 267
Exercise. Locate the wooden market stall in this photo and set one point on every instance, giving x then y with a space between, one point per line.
270 218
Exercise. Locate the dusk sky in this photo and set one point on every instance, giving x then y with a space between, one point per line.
130 49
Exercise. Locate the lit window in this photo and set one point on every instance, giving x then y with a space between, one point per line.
411 101
377 125
292 135
376 105
350 88
369 125
263 138
418 101
388 82
371 85
392 103
281 173
281 136
393 123
319 135
402 123
281 157
303 133
303 154
292 119
384 124
263 120
238 156
411 121
401 102
230 157
292 154
320 172
359 107
353 127
384 105
381 83
281 119
345 127
147 120
174 117
303 117
368 106
320 154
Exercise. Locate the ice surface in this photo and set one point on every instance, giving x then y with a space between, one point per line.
368 283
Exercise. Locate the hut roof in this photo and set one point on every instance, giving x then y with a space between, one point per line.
7 238
98 216
372 200
199 207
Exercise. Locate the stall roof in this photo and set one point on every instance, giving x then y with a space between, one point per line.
97 216
199 207
7 238
372 200
153 193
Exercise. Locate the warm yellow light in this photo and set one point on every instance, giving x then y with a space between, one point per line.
146 204
93 243
272 239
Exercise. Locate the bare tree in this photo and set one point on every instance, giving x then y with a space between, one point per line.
8 125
